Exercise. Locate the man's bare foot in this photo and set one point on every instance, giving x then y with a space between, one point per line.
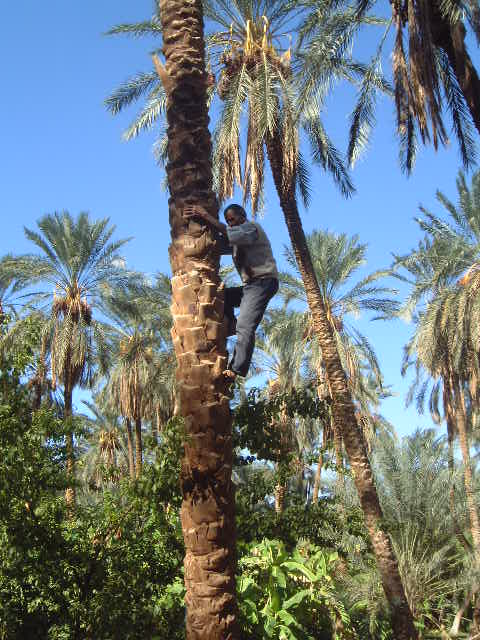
230 375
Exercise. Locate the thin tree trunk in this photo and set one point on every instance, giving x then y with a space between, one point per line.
37 395
338 446
138 447
343 410
322 394
461 420
208 510
449 417
452 40
70 493
279 495
318 477
131 456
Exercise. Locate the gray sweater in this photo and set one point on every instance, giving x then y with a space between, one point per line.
252 252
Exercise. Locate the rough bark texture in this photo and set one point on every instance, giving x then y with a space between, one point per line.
343 410
70 491
279 495
461 421
131 456
318 477
138 447
199 336
338 446
452 40
450 419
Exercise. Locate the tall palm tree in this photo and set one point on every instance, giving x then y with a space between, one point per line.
336 258
77 259
434 350
198 333
256 71
281 356
137 366
445 343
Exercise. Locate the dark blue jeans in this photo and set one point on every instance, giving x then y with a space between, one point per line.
252 299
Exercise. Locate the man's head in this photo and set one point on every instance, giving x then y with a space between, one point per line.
234 215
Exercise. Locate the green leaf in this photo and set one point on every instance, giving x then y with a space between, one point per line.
296 566
244 583
297 598
287 617
279 576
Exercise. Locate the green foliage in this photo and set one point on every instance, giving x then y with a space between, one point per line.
255 418
290 596
111 570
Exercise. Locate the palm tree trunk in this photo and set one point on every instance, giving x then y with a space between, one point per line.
37 395
138 447
70 463
461 419
452 40
450 419
343 410
131 457
338 446
318 477
208 511
279 495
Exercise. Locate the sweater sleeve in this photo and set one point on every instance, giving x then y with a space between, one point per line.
243 234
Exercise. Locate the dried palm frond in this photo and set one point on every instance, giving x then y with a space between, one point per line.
437 63
253 175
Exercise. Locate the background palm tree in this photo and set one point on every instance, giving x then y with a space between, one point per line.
444 347
413 480
105 460
336 258
139 384
77 260
281 356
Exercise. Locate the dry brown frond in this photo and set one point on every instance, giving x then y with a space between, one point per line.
72 305
254 164
229 160
417 83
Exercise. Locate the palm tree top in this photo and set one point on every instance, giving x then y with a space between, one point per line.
336 257
77 258
252 28
252 50
449 250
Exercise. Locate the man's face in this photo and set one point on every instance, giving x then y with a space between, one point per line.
234 218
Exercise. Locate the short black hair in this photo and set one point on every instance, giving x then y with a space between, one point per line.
237 208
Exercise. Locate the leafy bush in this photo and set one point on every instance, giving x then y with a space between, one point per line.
290 596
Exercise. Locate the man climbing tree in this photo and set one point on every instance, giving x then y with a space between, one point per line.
254 261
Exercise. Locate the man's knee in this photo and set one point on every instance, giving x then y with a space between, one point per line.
245 329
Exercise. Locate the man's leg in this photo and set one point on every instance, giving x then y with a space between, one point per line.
256 297
233 298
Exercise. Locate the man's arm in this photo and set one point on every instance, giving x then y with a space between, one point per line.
243 234
196 210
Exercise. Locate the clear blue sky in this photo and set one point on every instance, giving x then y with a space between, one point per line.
62 150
